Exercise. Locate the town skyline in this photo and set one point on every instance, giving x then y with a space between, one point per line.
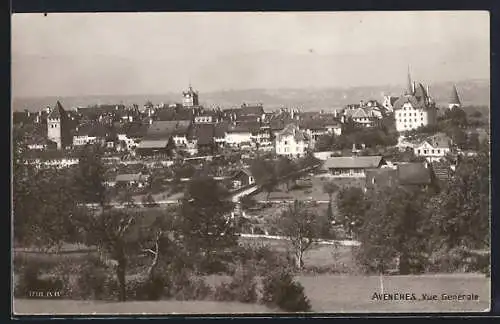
306 50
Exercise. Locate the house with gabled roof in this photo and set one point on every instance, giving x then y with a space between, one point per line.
238 134
292 142
352 166
434 148
242 178
410 175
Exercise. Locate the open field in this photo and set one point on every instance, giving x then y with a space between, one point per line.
327 293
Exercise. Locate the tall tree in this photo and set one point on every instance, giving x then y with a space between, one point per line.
284 170
203 223
352 207
461 212
330 188
23 194
110 231
300 225
392 229
89 178
265 175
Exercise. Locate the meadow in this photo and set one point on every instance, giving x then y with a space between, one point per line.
340 292
327 293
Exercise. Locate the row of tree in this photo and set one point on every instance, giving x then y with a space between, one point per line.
269 173
353 134
409 224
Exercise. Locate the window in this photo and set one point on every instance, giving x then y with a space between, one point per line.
418 151
439 151
425 151
404 114
432 151
422 118
286 142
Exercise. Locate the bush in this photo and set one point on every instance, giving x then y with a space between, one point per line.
31 285
260 258
96 283
144 288
242 288
282 291
444 260
184 286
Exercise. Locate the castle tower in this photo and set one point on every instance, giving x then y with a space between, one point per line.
190 98
454 99
57 126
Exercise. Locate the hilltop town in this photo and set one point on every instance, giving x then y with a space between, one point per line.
379 175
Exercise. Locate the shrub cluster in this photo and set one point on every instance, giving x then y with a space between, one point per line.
31 285
280 290
242 288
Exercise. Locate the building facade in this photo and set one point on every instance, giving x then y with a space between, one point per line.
292 142
415 108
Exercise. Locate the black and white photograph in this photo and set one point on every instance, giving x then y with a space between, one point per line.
229 163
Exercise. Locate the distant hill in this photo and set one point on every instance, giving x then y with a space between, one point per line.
472 92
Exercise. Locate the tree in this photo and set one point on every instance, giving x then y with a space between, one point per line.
125 198
203 224
284 170
43 200
89 178
330 188
460 213
352 207
265 175
473 141
23 193
148 200
457 117
391 230
325 143
109 231
298 224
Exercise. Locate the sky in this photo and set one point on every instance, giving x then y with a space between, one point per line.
66 54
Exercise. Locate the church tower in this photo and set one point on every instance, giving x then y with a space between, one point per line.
57 126
454 99
190 98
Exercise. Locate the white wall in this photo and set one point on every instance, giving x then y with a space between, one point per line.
289 147
238 138
408 118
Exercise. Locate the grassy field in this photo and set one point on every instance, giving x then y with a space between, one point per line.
327 293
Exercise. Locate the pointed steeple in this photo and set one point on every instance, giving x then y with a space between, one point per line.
454 99
409 89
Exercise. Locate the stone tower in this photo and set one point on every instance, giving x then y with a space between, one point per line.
57 126
454 99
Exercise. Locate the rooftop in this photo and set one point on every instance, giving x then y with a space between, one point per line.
356 162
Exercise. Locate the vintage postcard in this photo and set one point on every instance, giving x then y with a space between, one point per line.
251 162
